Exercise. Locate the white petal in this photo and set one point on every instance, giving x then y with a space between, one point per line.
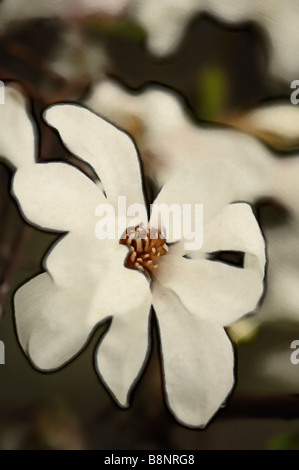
97 267
107 149
87 282
82 260
53 324
212 290
17 132
56 196
235 228
197 361
123 352
208 184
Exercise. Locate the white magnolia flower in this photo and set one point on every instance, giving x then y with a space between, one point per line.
165 22
87 280
169 141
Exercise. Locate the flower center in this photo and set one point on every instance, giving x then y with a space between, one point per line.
145 248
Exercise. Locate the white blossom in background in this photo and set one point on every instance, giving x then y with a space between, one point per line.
86 280
165 22
277 119
75 57
169 141
278 124
18 10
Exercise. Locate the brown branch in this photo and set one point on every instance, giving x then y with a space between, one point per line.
32 60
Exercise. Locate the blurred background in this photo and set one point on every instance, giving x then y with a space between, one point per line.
222 65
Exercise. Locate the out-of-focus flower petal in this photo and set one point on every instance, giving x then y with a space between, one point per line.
122 354
166 21
212 289
93 7
276 123
282 299
169 141
16 10
57 196
197 360
109 151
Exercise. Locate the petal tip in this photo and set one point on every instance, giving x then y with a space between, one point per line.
51 112
123 402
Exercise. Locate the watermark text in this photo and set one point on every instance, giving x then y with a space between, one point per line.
175 221
2 353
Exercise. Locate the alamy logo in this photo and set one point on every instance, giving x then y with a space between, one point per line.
2 95
175 221
2 353
295 354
